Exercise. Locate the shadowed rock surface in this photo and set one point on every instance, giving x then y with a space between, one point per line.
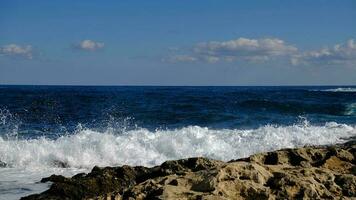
326 172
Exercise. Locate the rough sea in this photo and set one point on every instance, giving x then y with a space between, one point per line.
65 130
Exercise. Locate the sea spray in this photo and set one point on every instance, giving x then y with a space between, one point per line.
48 130
87 148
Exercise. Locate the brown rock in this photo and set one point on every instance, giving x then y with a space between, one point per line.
304 173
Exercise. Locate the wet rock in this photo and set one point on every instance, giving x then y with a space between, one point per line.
60 164
54 178
2 164
303 173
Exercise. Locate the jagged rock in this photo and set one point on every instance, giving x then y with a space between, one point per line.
303 173
347 183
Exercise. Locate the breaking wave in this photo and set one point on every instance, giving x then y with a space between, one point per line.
87 147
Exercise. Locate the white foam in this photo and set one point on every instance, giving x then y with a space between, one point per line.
340 90
143 147
87 148
16 182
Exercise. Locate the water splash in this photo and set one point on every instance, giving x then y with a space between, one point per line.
87 147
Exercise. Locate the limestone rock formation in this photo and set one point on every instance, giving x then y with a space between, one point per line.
304 173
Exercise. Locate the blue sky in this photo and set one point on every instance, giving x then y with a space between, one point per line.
178 42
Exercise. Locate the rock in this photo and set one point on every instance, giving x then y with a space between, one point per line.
303 173
2 164
347 182
54 178
60 164
173 182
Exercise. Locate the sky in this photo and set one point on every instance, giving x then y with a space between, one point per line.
178 42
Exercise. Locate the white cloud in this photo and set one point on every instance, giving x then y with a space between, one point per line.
267 49
241 49
179 58
211 59
89 45
339 54
17 50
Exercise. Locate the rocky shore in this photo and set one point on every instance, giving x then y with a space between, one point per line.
326 172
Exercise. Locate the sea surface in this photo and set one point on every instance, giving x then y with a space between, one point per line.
69 129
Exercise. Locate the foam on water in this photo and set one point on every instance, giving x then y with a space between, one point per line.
87 148
340 90
30 160
18 182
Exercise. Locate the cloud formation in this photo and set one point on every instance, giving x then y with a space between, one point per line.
241 49
17 51
339 54
89 45
179 58
264 50
244 49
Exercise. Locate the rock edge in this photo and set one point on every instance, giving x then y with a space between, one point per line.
326 172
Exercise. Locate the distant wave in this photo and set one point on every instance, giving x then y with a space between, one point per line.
349 89
143 147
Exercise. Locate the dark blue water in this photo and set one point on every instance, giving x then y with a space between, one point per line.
52 111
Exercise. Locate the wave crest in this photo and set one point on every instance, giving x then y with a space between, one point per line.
87 148
349 89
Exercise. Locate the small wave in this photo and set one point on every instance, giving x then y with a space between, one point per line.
349 89
350 109
143 147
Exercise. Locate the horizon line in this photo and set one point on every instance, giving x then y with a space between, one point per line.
154 85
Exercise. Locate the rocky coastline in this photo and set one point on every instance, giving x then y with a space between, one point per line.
314 172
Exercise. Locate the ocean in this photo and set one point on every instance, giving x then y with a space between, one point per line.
65 130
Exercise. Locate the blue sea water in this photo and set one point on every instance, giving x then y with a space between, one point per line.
70 129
